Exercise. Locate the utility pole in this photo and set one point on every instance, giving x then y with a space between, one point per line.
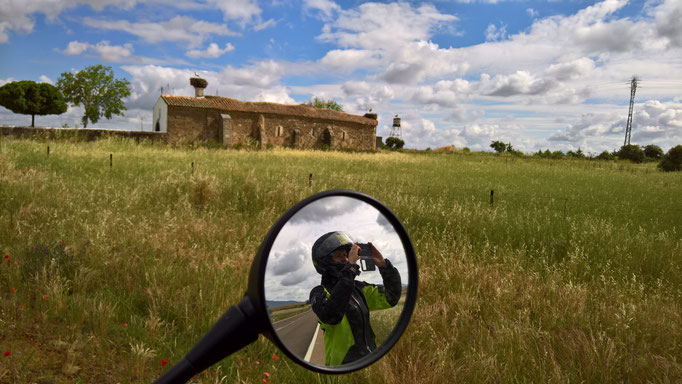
628 127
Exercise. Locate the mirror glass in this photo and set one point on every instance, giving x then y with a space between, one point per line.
343 314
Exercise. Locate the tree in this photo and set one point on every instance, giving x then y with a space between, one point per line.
31 98
498 146
324 104
605 155
653 152
394 143
97 90
672 161
631 152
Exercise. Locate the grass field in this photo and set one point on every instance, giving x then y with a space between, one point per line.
573 275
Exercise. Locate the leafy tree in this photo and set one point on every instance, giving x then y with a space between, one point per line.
631 152
97 90
672 161
31 98
577 154
498 146
324 104
606 155
653 152
394 143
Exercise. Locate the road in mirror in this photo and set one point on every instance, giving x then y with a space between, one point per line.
332 313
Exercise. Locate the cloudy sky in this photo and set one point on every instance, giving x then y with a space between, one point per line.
290 274
538 74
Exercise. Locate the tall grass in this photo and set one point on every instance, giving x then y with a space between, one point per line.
574 274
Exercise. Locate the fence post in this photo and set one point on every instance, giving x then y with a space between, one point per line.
492 192
310 180
192 167
48 149
111 160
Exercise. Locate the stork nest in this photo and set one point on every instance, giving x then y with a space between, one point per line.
198 82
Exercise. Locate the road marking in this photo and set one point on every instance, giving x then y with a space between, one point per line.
312 344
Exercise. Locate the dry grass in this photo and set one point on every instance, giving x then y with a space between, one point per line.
575 273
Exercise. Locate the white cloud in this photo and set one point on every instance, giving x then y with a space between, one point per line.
493 33
348 60
384 26
264 25
212 51
532 12
325 8
45 79
181 29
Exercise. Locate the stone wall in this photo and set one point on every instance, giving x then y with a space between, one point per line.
186 124
88 134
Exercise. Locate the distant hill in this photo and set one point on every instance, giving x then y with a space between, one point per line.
279 303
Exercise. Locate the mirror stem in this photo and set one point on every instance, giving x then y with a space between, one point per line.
235 329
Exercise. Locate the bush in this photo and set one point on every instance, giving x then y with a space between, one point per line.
394 143
498 146
606 155
672 161
653 152
631 152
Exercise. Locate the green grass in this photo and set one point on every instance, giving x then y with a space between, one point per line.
574 274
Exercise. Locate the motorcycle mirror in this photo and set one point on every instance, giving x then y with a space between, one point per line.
277 302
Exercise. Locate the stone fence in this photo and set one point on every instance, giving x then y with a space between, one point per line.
86 134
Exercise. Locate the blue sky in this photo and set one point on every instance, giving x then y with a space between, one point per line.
538 74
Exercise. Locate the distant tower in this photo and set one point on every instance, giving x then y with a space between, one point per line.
628 127
395 130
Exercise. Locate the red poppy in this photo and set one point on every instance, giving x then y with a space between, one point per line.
265 381
275 357
266 374
7 352
257 363
6 256
13 290
45 297
9 261
164 362
125 325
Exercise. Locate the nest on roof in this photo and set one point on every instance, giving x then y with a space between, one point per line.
198 82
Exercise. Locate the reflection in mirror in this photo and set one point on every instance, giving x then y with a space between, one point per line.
324 308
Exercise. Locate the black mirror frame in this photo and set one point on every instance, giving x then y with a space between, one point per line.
256 287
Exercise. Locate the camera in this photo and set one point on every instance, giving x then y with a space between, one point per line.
366 260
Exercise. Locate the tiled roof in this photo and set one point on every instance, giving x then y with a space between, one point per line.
228 104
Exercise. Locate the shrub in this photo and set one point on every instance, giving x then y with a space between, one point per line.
672 161
394 143
606 155
653 152
631 152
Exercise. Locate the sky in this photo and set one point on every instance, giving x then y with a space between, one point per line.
290 274
537 74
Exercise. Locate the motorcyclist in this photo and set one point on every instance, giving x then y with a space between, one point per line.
342 304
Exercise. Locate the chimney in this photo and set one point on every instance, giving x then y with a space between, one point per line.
199 85
371 115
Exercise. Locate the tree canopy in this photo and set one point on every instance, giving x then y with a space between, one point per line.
672 161
394 143
324 104
97 90
653 152
498 146
631 152
31 98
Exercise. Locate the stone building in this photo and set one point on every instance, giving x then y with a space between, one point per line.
229 121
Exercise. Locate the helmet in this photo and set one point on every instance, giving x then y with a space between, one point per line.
325 245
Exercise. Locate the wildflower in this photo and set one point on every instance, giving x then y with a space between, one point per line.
45 297
265 381
125 325
6 256
266 374
164 362
7 353
275 357
257 363
13 290
9 261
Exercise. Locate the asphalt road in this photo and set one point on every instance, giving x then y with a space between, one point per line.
297 332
